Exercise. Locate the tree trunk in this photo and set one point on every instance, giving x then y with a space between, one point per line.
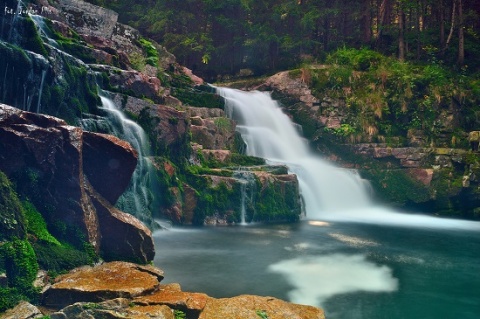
401 33
461 39
441 13
452 26
366 22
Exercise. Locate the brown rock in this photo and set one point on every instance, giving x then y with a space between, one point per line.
213 133
195 79
123 237
175 299
190 203
168 125
137 82
23 310
221 156
107 281
246 306
422 175
60 156
105 156
205 112
115 308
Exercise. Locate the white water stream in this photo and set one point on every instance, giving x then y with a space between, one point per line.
329 192
137 199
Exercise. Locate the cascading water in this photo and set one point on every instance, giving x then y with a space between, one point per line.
329 192
247 188
269 133
137 199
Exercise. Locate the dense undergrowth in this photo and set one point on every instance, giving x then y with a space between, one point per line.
388 99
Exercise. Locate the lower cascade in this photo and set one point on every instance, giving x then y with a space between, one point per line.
329 192
137 198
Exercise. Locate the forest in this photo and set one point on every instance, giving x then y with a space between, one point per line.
246 37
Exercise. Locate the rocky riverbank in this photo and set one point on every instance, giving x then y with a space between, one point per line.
125 290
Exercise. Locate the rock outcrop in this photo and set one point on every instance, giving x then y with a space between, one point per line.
74 177
124 290
106 281
23 310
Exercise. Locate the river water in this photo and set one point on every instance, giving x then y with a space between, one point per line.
352 270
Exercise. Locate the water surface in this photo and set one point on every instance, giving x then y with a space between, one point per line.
352 270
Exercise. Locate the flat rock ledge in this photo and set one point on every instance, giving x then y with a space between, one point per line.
127 290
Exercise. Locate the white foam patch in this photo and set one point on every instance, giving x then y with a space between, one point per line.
385 216
318 278
353 241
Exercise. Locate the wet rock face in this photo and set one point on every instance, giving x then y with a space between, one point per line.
88 18
73 177
104 156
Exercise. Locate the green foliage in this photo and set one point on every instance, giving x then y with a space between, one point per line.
223 124
151 51
62 258
387 98
343 131
179 314
359 60
137 61
273 203
194 97
12 222
20 263
397 187
31 39
262 314
9 298
245 160
36 225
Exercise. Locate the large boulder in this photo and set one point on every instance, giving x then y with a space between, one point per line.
73 177
248 306
23 310
105 156
106 281
120 308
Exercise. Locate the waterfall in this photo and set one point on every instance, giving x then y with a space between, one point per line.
15 15
40 91
137 199
329 192
269 133
43 30
247 191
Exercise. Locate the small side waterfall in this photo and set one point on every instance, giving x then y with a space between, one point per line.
247 191
137 198
329 192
